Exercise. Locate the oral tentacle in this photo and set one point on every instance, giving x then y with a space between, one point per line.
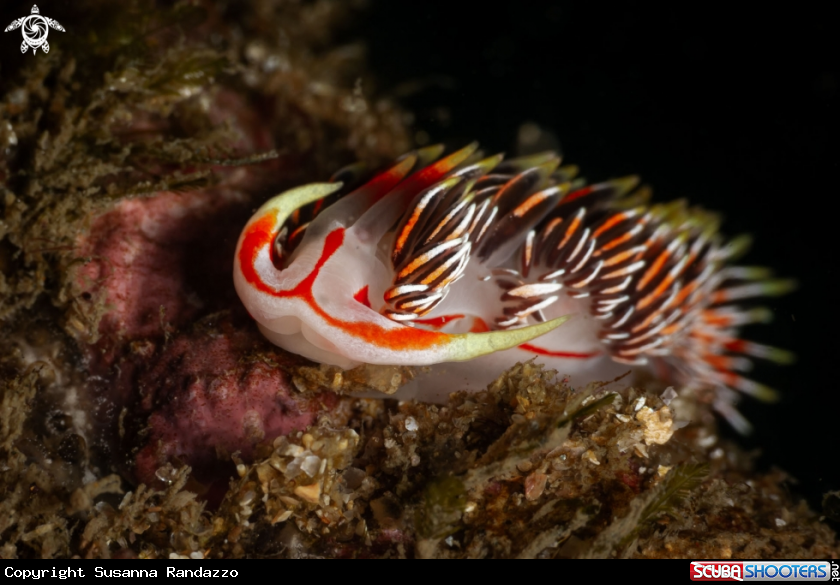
466 346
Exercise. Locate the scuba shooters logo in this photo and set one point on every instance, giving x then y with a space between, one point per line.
35 29
764 571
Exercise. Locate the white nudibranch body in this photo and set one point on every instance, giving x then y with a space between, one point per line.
477 263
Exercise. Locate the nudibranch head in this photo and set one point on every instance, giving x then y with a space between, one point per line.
439 260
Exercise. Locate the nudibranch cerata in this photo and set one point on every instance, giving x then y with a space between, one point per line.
477 262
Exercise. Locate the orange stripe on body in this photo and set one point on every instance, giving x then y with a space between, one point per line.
260 234
716 320
719 296
570 230
529 204
298 231
407 229
551 226
654 269
671 329
626 236
648 320
685 291
657 292
620 257
612 221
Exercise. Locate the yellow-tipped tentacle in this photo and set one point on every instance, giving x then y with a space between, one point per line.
466 346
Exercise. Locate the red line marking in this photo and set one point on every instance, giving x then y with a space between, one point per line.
736 345
361 296
438 322
561 354
384 182
578 194
261 233
255 238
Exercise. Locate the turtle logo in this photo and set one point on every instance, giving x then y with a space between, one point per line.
35 30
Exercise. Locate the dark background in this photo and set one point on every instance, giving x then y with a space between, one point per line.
737 112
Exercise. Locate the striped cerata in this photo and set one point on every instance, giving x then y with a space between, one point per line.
475 263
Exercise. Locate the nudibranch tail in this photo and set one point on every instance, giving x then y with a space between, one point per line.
448 259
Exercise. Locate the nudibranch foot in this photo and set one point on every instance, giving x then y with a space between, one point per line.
469 257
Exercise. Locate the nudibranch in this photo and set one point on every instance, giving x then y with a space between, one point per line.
475 263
